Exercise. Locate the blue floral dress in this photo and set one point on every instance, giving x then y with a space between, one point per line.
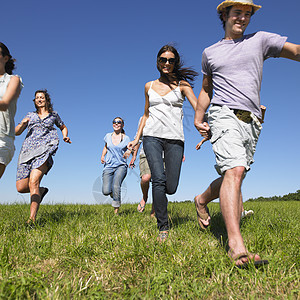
40 144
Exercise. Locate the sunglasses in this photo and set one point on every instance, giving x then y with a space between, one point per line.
164 60
117 122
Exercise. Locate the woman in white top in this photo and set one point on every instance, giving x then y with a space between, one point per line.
162 129
10 88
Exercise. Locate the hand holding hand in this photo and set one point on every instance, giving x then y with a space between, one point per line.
131 145
204 130
198 146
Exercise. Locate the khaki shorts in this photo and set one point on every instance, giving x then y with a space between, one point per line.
7 150
144 167
233 141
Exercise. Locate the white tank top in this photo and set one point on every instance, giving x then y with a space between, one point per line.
7 123
165 115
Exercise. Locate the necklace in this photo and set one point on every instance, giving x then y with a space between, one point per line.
115 136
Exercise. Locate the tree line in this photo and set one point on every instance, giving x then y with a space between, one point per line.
288 197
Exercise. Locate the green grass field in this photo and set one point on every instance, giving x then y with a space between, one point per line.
85 252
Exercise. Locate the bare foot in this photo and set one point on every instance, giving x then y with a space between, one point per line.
116 211
238 252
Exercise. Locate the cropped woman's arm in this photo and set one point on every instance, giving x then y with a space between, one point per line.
139 133
13 90
188 92
21 126
64 131
104 151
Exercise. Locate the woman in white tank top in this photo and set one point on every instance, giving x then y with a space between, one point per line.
10 88
162 129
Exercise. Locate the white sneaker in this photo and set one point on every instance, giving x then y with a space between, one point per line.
247 213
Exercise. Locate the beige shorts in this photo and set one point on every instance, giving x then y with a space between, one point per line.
143 164
233 141
7 150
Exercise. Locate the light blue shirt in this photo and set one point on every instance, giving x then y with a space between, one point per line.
114 156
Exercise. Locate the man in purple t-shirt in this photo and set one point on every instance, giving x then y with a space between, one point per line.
232 69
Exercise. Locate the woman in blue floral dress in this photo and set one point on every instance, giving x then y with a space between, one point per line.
40 144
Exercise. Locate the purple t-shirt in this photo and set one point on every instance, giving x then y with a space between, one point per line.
236 68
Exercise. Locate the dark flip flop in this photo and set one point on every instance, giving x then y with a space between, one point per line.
141 208
256 263
163 235
245 265
46 190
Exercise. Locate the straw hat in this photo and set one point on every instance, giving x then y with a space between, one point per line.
227 3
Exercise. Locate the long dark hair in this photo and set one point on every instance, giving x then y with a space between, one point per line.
10 65
179 73
49 105
122 131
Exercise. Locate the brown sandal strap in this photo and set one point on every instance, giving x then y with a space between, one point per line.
203 216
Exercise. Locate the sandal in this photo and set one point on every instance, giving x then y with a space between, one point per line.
201 216
162 236
46 190
250 259
141 208
30 224
247 213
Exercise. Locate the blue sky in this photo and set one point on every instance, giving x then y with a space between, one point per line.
94 57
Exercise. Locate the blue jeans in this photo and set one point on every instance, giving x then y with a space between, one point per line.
112 179
164 178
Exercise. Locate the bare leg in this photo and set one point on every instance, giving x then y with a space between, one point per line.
23 185
211 193
230 202
152 214
230 192
35 178
145 182
242 205
32 185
